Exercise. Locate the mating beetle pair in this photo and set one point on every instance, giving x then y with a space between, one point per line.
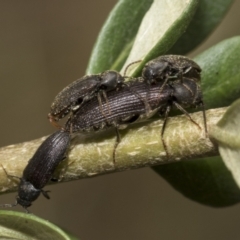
164 68
176 78
127 108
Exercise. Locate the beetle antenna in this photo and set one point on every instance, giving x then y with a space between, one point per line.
130 64
7 205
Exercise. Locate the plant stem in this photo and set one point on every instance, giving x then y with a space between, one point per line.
140 146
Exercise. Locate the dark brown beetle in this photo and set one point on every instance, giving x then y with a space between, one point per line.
78 92
40 168
125 107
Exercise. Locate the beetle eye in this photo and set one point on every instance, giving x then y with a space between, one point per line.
79 101
147 73
120 79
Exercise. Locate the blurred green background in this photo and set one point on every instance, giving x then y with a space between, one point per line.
45 45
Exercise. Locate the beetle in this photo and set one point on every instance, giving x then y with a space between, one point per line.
78 92
40 169
125 106
170 67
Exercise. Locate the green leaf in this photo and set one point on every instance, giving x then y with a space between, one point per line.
161 27
226 133
208 15
221 73
155 35
16 225
206 181
117 35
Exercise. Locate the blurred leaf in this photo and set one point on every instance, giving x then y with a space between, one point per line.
206 181
226 133
16 225
221 73
208 15
116 37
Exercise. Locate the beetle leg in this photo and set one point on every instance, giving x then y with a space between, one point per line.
71 125
7 205
106 99
189 89
166 113
204 119
164 84
118 140
100 104
186 113
45 194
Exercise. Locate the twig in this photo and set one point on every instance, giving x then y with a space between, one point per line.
140 146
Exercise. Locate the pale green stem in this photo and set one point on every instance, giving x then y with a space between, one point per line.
140 146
